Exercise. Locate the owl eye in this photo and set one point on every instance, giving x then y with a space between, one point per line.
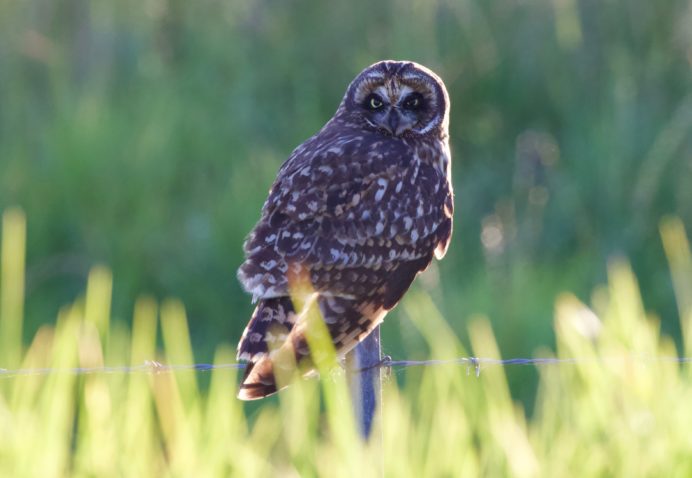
413 101
373 102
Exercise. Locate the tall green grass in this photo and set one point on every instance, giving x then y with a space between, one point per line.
144 134
621 410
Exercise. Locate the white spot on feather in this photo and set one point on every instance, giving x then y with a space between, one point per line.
383 187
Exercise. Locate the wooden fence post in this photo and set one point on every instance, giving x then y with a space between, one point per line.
364 380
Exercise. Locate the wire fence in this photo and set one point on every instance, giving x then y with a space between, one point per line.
472 363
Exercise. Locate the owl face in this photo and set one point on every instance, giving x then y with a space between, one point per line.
398 99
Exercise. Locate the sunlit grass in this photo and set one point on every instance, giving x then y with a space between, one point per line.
145 134
621 410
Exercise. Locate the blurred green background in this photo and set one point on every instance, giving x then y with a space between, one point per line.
144 135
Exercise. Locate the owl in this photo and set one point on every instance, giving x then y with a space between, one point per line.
359 209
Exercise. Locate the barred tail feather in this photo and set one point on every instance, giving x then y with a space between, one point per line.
271 353
273 339
269 326
258 381
267 331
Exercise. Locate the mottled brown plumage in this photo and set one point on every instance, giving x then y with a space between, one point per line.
360 209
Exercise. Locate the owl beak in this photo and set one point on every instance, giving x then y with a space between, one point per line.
393 122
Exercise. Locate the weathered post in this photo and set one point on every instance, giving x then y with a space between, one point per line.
364 380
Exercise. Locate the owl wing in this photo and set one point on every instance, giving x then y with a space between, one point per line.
352 214
362 219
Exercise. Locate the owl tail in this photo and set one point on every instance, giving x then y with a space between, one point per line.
271 351
258 381
266 333
271 373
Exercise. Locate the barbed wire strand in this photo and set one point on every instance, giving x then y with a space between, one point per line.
152 367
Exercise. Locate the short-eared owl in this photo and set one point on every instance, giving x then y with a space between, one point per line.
360 209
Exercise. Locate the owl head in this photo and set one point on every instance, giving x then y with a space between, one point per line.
397 98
